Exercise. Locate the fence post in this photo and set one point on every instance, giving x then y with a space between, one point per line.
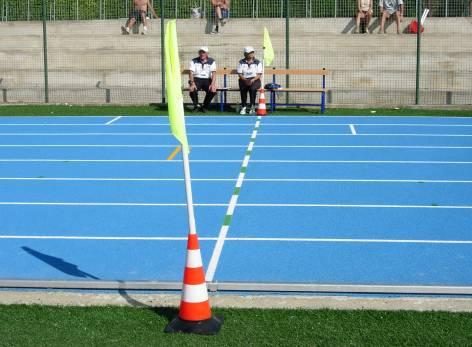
163 73
45 53
418 52
287 46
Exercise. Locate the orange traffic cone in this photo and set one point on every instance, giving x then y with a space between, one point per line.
261 108
195 312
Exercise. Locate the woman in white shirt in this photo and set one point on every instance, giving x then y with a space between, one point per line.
250 72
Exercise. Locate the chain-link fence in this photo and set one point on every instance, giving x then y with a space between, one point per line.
84 58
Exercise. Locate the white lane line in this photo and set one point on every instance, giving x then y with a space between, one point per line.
120 134
353 180
262 161
25 203
244 124
113 120
353 132
125 238
114 179
238 181
361 146
215 257
246 239
348 240
459 207
231 146
353 129
122 146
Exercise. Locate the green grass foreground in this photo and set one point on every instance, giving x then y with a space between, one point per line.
113 110
125 326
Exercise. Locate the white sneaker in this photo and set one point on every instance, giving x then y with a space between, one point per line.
243 110
125 30
252 110
145 31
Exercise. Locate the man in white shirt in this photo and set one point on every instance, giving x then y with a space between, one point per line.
202 76
250 72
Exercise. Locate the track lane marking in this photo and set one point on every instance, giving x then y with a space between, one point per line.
353 129
245 239
174 153
113 120
215 257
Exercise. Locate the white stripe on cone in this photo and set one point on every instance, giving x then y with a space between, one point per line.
194 258
194 293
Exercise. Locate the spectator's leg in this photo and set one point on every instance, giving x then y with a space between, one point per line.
243 89
253 92
397 20
194 97
358 22
208 95
382 22
144 20
368 17
219 16
131 23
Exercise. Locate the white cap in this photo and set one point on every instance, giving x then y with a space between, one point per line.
204 49
248 49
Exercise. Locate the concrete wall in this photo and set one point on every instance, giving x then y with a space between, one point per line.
372 69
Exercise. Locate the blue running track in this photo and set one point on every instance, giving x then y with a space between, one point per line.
349 203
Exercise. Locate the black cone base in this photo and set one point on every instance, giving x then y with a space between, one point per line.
204 327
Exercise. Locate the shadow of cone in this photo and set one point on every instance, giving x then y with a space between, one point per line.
195 313
261 108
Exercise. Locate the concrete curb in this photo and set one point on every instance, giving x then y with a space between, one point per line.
235 301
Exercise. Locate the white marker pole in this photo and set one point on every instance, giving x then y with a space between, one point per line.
188 191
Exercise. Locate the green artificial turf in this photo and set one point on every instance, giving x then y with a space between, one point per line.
112 110
126 326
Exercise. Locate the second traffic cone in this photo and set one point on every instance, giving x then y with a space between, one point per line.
261 108
195 312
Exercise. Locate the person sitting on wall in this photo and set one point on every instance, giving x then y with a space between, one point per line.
202 76
221 9
389 8
364 11
138 14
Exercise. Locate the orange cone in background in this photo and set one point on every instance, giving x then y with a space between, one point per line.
261 108
195 312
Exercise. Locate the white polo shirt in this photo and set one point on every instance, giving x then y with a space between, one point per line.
202 69
249 70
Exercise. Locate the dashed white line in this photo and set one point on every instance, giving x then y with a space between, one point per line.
215 257
353 129
113 120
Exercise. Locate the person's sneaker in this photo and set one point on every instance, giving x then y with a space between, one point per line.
224 21
367 31
125 30
196 108
203 110
145 31
243 110
252 110
214 32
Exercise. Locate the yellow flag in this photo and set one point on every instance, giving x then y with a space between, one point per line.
173 85
268 50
